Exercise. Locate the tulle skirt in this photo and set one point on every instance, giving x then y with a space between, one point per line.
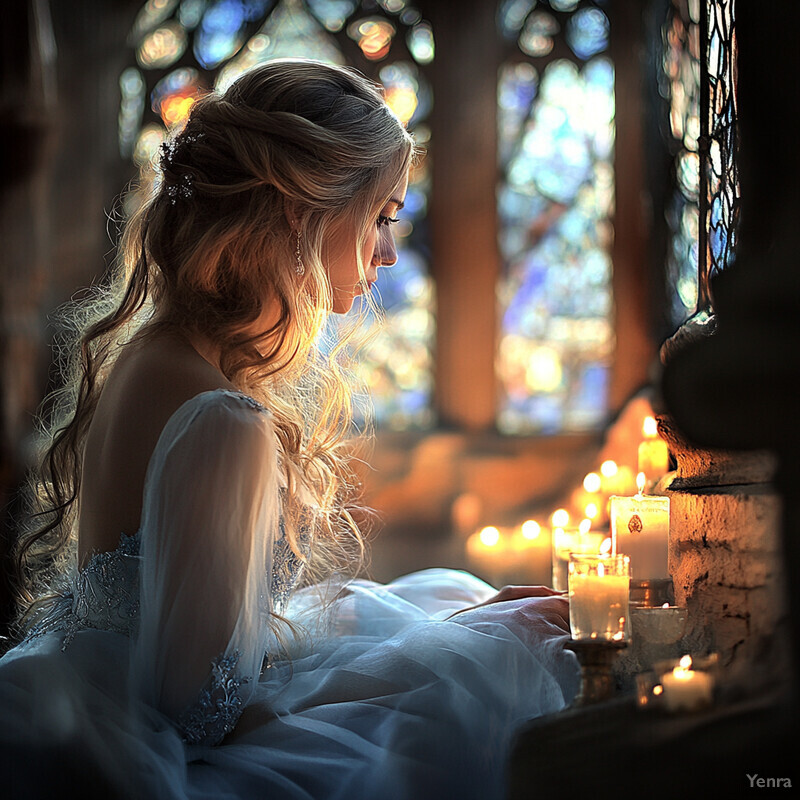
385 697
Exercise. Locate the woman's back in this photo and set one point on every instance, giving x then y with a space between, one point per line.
150 381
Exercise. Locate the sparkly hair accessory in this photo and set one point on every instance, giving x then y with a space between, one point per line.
183 189
172 153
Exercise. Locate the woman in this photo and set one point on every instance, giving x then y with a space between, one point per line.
197 502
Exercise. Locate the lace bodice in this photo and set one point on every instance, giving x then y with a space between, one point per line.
105 593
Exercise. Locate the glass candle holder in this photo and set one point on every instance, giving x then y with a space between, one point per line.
599 588
571 540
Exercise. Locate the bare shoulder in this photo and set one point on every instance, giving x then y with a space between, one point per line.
149 383
153 379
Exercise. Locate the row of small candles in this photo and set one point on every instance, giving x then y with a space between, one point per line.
640 521
639 529
595 564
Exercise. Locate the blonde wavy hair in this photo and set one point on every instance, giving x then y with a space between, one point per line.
208 248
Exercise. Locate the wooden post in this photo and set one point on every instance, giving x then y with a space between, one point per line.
465 259
634 349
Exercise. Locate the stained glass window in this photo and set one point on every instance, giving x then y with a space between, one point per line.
681 87
556 135
699 73
719 208
186 47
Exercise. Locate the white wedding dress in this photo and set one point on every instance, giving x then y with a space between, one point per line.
134 676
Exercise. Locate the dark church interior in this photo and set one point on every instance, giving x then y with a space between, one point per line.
475 447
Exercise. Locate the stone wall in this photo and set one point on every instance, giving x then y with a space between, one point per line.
726 558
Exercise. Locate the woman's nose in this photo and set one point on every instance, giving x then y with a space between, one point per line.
385 252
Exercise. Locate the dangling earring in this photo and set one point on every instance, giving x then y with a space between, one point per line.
299 267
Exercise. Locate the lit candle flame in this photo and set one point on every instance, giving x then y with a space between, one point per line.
584 527
609 468
605 547
490 536
640 482
650 427
531 529
560 518
683 671
592 483
591 510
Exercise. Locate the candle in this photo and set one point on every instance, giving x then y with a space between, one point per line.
521 554
653 451
598 597
685 689
572 540
615 478
490 549
640 528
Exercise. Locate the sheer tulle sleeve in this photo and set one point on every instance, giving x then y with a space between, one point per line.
209 521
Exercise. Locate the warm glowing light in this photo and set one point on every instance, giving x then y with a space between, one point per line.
162 47
605 547
544 372
592 482
148 143
490 536
584 526
175 109
650 427
531 529
591 510
685 662
666 605
560 518
403 102
609 469
640 481
658 689
374 37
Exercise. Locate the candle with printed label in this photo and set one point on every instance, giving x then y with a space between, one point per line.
640 529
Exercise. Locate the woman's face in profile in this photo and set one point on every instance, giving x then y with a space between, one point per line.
340 260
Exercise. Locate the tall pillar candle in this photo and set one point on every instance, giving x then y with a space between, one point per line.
640 529
653 452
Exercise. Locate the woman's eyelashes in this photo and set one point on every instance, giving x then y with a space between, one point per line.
384 220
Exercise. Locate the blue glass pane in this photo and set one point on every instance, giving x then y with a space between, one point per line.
221 32
332 13
420 43
289 31
191 12
511 16
556 339
587 32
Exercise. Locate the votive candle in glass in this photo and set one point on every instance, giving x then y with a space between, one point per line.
599 588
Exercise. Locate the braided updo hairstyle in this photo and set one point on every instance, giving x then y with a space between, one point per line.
291 145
